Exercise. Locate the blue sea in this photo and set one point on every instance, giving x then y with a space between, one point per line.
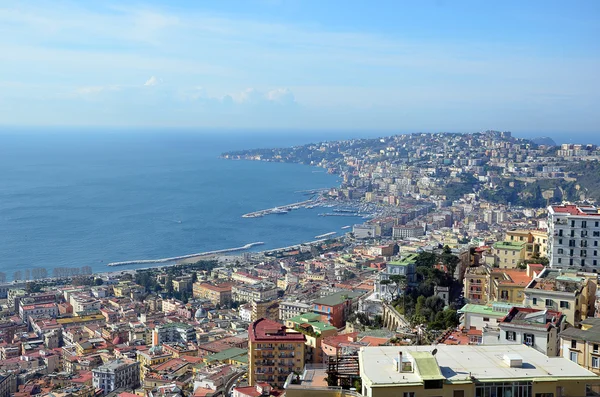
88 198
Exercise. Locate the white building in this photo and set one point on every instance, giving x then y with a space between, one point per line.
254 292
245 312
573 235
292 309
173 333
116 374
37 311
532 327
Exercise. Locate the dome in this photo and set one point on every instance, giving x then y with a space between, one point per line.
200 313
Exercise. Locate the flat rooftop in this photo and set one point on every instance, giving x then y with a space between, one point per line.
462 363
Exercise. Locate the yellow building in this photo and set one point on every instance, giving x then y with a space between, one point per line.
571 293
476 284
153 356
540 240
469 371
274 352
314 330
583 345
509 254
265 309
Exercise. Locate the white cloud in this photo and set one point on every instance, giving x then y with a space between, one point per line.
281 95
152 81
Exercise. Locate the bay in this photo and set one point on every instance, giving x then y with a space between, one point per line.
90 198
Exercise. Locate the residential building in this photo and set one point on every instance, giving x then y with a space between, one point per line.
582 345
532 327
315 330
466 370
573 294
573 237
509 254
482 316
476 285
274 352
289 309
337 306
116 374
39 310
265 309
245 312
218 294
173 333
252 292
8 384
508 285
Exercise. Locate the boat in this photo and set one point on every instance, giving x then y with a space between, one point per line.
279 211
346 227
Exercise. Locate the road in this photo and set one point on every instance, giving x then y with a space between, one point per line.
234 379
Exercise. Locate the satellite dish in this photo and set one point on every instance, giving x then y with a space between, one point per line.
433 352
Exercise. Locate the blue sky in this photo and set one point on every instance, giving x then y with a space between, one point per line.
439 65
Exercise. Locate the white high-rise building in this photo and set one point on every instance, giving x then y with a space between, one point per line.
574 237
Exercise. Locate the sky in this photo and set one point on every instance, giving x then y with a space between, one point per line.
430 65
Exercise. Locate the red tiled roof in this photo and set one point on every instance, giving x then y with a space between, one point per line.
264 330
573 210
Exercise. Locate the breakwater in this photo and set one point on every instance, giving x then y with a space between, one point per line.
176 258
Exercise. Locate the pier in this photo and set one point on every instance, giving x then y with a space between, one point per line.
280 210
176 258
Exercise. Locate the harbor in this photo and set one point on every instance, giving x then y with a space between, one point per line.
282 209
176 258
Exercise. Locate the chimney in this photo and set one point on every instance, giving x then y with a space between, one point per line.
400 361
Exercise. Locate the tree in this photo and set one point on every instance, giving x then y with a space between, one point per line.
98 281
400 281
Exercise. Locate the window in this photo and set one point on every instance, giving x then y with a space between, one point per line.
408 394
433 384
564 304
572 223
559 260
459 393
573 344
595 348
560 240
528 339
560 232
560 251
534 301
486 319
511 335
595 362
571 262
549 302
573 356
584 224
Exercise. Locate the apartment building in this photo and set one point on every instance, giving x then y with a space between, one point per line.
274 352
571 293
573 237
532 327
265 309
116 374
252 292
582 345
37 311
466 371
219 294
337 306
173 333
315 331
289 309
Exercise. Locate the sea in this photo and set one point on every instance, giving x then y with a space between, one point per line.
88 198
73 198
